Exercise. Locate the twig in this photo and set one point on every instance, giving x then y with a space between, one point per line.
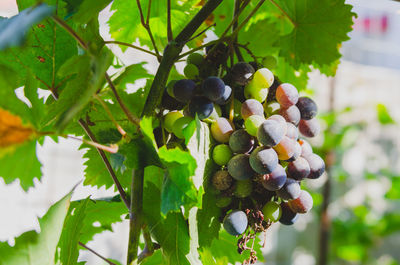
111 149
247 50
234 26
103 104
201 32
103 156
130 45
244 22
146 25
72 32
169 26
97 254
147 239
284 12
197 48
145 252
135 215
171 53
132 118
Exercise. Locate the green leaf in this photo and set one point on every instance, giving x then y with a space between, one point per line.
171 232
99 216
11 168
85 10
178 188
96 173
319 27
287 74
33 248
394 192
13 30
383 115
71 233
208 219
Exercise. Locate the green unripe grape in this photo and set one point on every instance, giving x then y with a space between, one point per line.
191 71
223 201
179 125
269 62
252 123
271 108
263 78
272 211
170 88
243 188
195 58
253 90
170 118
222 154
237 106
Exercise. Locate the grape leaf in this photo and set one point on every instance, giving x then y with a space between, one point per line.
11 162
287 74
125 22
33 248
69 240
319 29
99 216
13 30
171 232
84 10
383 115
12 131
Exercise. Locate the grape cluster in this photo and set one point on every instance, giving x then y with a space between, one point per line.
256 122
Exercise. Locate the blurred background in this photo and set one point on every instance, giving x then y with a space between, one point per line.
360 113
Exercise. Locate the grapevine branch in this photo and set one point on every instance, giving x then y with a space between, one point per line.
103 156
97 254
169 27
171 54
130 45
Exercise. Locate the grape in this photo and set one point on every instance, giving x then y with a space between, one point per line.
272 211
221 180
252 91
263 78
263 160
221 154
179 125
170 118
288 217
191 71
271 107
291 114
241 72
306 148
270 133
221 130
235 223
298 169
241 142
275 180
292 131
171 103
213 88
223 201
309 128
170 87
285 148
279 119
225 97
184 90
269 62
252 123
307 107
302 204
239 167
317 166
289 191
297 152
201 106
287 95
251 107
243 188
195 58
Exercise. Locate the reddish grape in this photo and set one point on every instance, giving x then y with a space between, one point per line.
306 148
288 217
251 107
275 180
289 191
285 148
263 160
317 166
270 133
221 130
291 114
309 128
287 95
292 131
302 204
298 169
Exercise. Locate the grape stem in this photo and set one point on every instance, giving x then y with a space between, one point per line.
169 27
130 45
146 25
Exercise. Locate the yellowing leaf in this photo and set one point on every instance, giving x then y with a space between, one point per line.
12 131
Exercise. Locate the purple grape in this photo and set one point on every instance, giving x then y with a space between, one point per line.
184 90
213 88
275 180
